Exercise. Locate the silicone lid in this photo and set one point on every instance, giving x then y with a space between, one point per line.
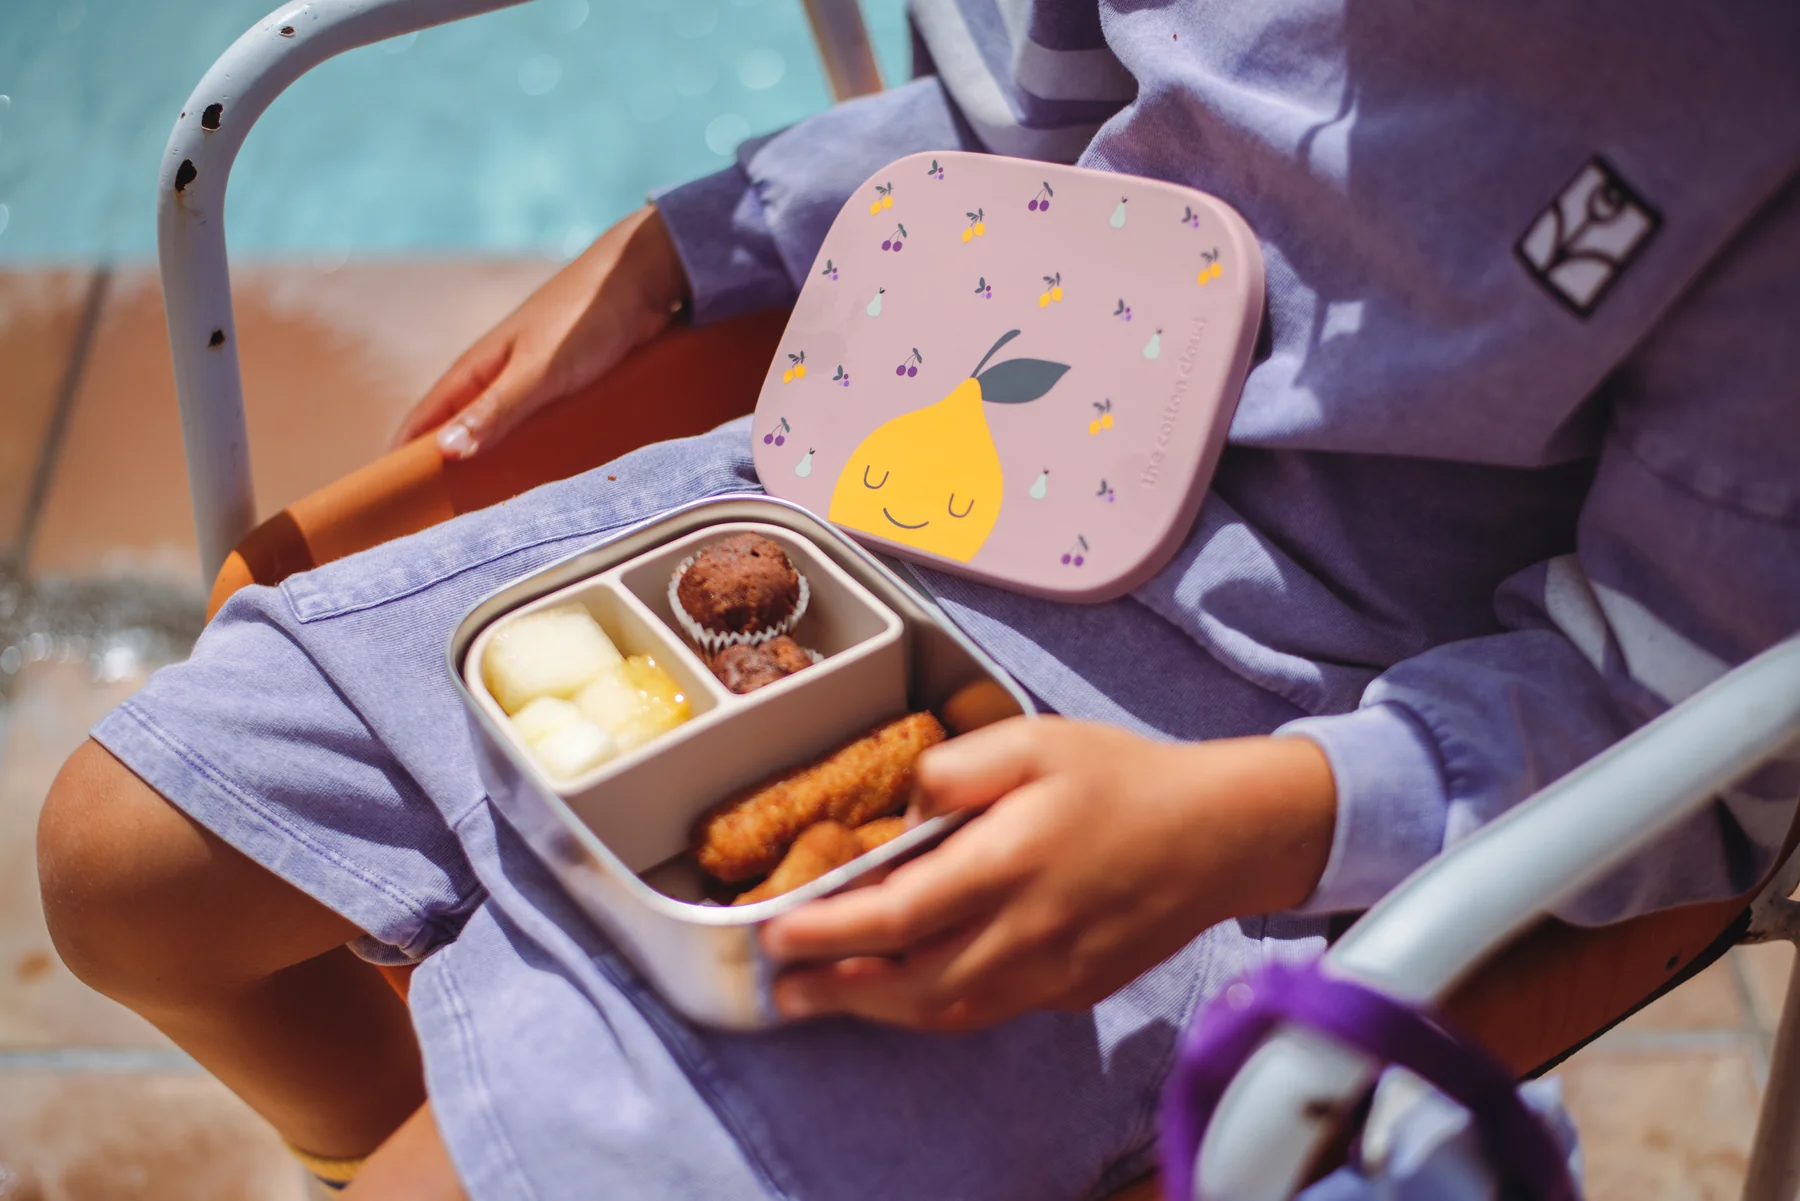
1015 371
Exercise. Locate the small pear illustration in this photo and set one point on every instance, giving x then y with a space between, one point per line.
1041 487
1118 217
1153 347
804 467
874 309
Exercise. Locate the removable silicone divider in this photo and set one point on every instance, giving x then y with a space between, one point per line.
610 845
645 812
841 615
634 631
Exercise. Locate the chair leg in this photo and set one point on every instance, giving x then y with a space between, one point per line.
1774 1173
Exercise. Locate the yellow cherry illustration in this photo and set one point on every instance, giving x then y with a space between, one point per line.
1044 300
887 202
787 377
800 371
1094 427
1056 292
1106 422
981 229
875 209
931 479
968 233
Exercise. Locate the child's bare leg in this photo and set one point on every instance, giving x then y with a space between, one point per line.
245 972
411 1166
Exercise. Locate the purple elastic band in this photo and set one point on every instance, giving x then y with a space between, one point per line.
1228 1030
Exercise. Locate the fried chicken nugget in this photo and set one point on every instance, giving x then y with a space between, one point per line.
881 830
866 779
820 847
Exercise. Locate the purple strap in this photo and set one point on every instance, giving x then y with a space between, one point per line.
1225 1033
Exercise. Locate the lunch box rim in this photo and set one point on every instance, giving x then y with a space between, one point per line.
522 591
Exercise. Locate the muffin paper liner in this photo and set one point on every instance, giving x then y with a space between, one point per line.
712 641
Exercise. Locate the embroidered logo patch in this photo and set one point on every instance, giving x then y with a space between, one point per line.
1580 245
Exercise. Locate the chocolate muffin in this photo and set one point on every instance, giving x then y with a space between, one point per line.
791 656
740 585
747 668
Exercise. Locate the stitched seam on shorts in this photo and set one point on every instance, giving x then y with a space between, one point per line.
484 1099
329 610
212 774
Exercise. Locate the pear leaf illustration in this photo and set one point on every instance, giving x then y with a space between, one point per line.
1016 381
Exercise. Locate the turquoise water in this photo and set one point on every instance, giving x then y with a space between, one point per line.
524 131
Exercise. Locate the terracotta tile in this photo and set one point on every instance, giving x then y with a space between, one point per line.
331 361
91 1137
1662 1126
40 314
1710 1001
41 1003
1765 967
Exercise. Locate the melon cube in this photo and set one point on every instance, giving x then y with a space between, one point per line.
569 750
552 652
636 701
544 716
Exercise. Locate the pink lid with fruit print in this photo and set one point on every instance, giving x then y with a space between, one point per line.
1015 371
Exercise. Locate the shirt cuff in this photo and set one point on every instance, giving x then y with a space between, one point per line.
732 262
1390 803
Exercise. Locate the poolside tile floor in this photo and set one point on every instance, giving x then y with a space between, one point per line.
95 1103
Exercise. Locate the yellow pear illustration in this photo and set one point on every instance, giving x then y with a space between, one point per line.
931 479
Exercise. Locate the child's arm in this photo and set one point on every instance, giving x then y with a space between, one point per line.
731 243
1099 854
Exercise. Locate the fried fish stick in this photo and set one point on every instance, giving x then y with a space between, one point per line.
820 847
879 831
867 779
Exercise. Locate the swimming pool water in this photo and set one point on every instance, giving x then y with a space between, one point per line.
523 131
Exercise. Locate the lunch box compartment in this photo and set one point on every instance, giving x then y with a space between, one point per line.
616 839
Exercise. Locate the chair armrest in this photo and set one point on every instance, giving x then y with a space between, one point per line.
1469 902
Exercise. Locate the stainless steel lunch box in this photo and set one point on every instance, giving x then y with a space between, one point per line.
616 838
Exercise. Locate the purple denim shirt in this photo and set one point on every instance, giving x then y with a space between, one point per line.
1520 466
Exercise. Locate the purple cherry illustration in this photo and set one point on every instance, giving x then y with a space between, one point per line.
1041 202
1033 207
900 370
1074 556
911 371
909 366
777 436
888 244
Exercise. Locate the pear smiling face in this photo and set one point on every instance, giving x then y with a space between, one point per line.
931 479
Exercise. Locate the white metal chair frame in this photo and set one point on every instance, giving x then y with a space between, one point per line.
1467 904
1416 944
190 213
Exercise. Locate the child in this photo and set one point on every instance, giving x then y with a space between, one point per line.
1520 468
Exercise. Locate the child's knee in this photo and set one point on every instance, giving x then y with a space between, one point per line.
104 839
146 905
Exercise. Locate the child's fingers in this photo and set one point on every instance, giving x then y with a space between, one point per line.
981 767
900 992
496 411
479 366
941 889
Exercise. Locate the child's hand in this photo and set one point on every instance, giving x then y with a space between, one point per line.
1101 854
617 295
